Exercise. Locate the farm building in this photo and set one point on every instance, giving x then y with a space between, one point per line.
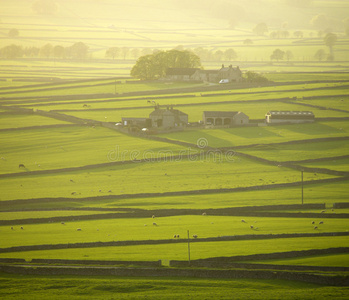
181 74
137 122
168 118
289 117
225 118
230 73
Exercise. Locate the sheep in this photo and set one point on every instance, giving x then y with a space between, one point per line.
22 228
154 224
73 193
71 180
204 214
11 228
3 158
62 223
321 222
78 229
21 166
315 227
110 191
195 236
153 216
323 211
313 223
243 221
251 226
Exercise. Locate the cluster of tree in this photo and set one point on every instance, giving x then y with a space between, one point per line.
255 77
203 53
153 66
77 51
329 40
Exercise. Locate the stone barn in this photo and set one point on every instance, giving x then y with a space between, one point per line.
225 118
168 118
272 117
137 122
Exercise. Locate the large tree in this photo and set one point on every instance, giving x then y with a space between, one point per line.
260 29
155 65
45 7
277 55
330 40
78 50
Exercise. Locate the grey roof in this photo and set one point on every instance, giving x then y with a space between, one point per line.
160 112
293 114
220 114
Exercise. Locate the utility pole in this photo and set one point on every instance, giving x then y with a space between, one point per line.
115 87
302 187
188 248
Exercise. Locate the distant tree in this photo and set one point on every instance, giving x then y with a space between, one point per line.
78 51
125 51
289 55
58 51
277 55
285 34
11 51
233 22
320 54
46 50
274 34
218 55
179 47
154 66
298 34
49 7
113 52
13 33
254 77
230 54
135 52
320 22
330 40
260 29
248 42
31 51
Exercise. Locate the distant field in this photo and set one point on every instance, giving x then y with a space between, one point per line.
333 164
230 137
179 251
17 121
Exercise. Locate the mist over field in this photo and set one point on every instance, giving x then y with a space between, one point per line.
201 142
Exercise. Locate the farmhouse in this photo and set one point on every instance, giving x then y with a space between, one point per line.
181 74
168 118
289 117
224 118
230 74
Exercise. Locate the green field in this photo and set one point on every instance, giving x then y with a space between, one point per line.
84 180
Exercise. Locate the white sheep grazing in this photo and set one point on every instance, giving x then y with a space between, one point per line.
204 214
153 216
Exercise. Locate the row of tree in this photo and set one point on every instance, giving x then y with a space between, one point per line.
76 51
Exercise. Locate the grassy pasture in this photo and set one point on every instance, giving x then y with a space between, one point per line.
17 121
77 287
43 149
206 172
230 137
333 164
105 230
337 103
300 151
179 251
337 260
